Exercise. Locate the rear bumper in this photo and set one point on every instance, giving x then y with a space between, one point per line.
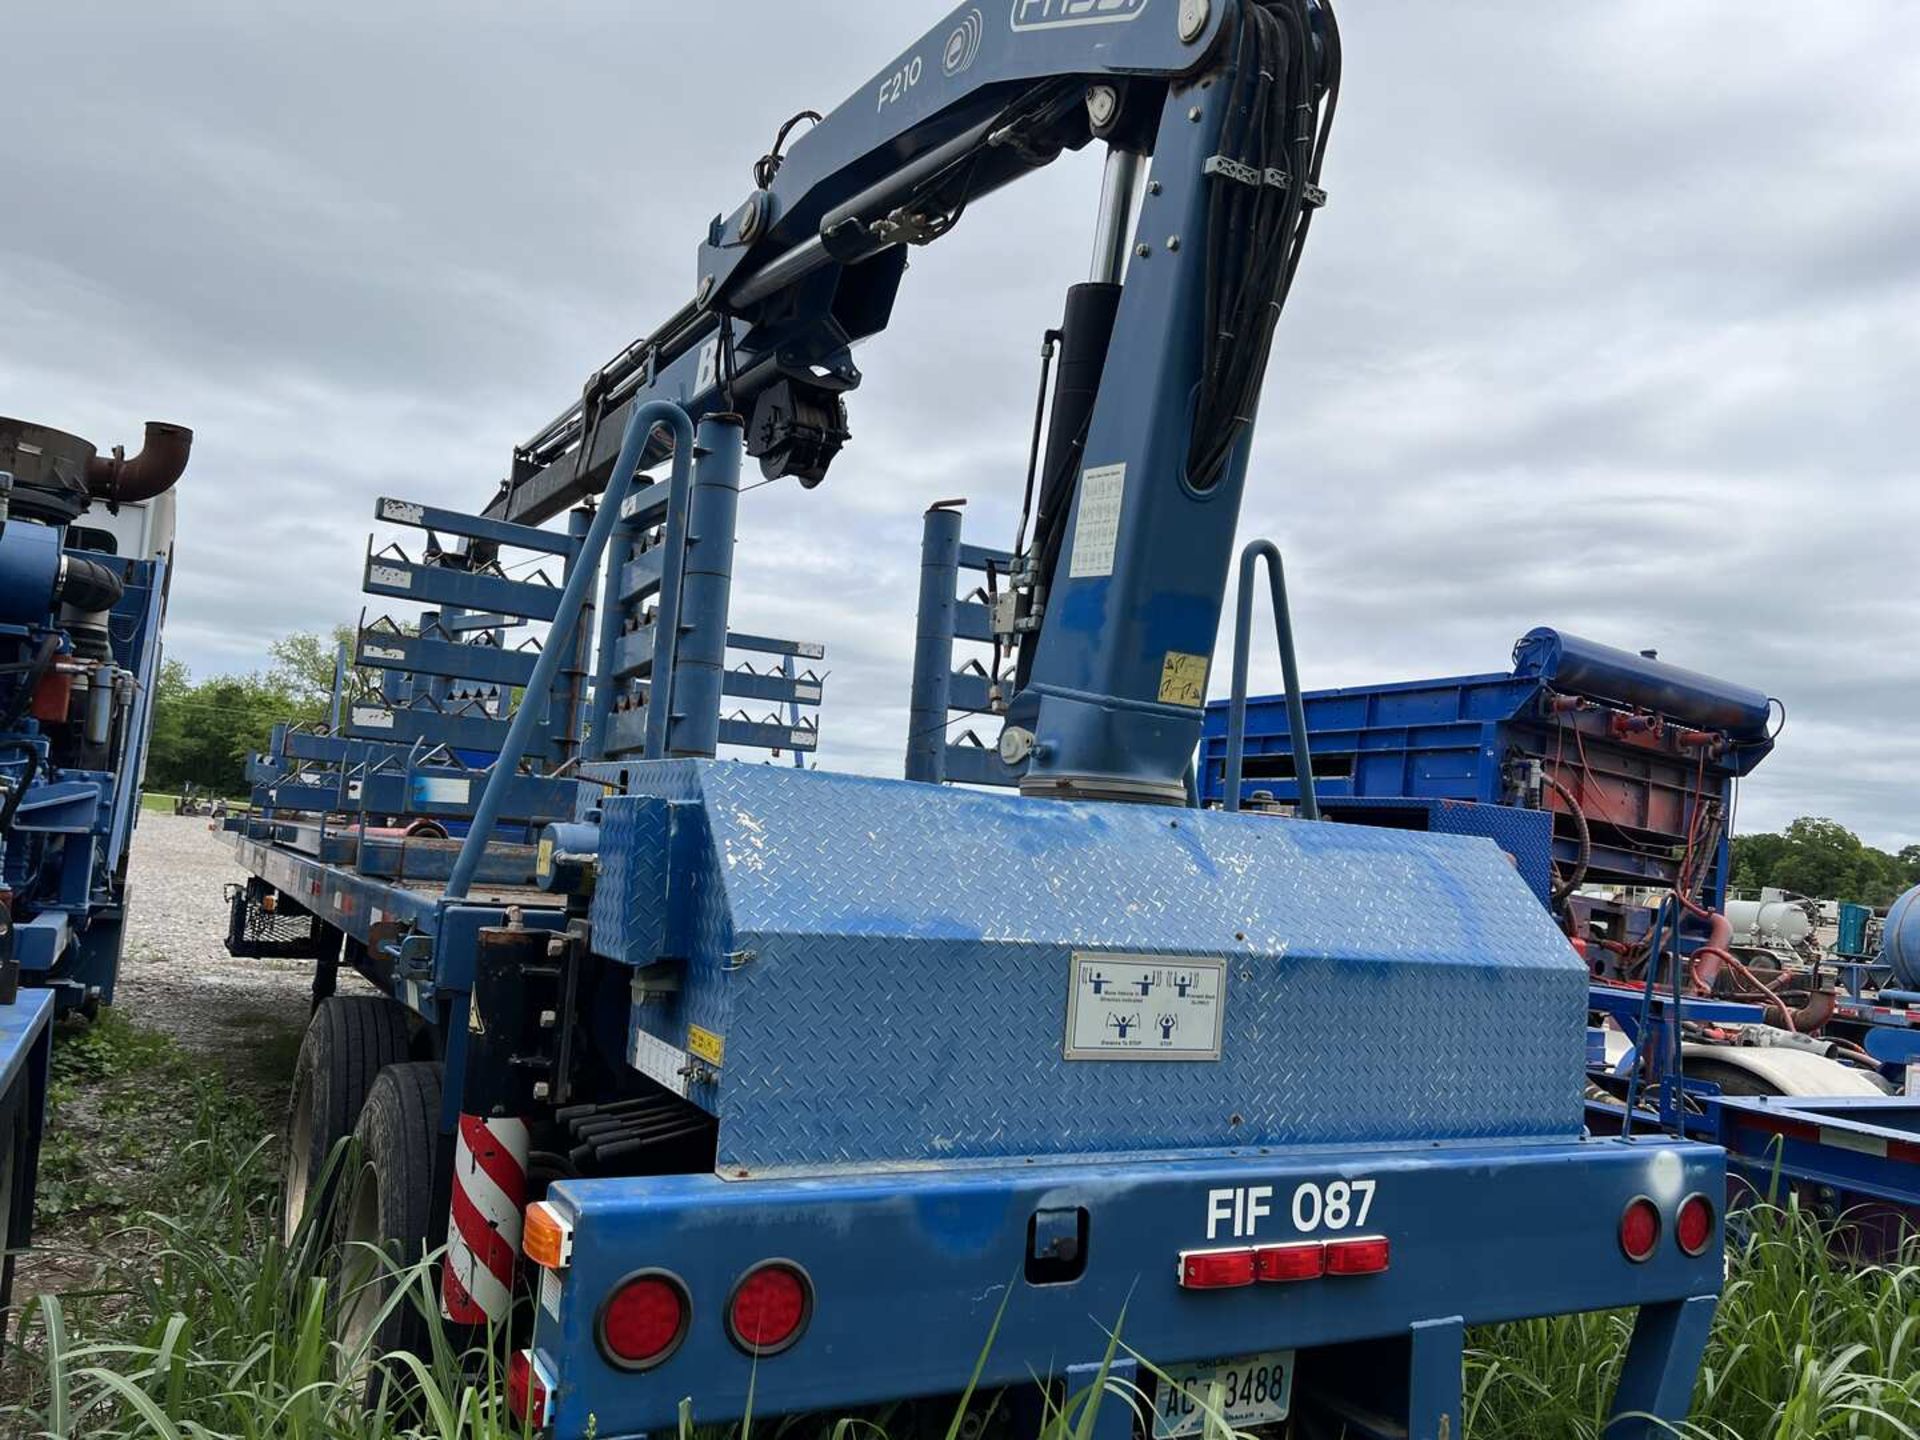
913 1271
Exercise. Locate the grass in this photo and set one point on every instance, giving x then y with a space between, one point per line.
208 1328
162 803
118 1094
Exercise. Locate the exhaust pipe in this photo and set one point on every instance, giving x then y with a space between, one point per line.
154 471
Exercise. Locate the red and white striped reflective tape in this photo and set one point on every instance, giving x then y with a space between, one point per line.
483 1234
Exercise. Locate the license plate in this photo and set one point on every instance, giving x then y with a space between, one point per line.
1244 1392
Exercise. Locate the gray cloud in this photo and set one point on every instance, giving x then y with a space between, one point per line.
1612 322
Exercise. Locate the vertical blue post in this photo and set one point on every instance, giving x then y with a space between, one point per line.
792 673
572 600
564 699
690 693
1309 802
933 647
1433 1380
339 689
1663 1362
613 618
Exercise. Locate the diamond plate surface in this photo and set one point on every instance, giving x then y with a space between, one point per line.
888 965
1526 835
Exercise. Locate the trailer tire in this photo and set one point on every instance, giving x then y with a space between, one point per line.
382 1224
349 1041
1731 1079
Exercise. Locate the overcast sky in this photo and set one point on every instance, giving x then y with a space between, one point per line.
1613 323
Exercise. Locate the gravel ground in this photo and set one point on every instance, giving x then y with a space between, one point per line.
177 976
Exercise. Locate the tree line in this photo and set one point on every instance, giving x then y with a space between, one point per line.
1824 859
203 730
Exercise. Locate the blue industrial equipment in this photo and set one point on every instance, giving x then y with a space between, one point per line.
750 1063
940 692
1629 736
1900 941
1636 794
86 547
1850 939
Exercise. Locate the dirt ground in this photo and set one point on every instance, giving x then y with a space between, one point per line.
177 977
186 1017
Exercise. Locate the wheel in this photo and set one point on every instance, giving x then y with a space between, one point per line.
1731 1079
349 1041
381 1226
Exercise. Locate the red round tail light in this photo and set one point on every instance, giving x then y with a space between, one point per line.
644 1320
770 1307
1640 1229
1693 1226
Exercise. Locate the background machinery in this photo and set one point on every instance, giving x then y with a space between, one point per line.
1610 778
86 547
803 1092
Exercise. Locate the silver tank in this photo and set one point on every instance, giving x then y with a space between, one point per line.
1769 924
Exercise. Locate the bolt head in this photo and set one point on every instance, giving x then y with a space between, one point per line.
1143 251
1173 242
1103 103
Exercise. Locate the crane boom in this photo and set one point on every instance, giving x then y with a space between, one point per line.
1226 105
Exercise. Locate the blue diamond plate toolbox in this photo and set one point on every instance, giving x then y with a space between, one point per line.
844 969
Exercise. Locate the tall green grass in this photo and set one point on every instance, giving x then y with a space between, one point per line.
1805 1346
221 1334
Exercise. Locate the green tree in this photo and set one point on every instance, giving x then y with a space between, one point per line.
204 731
1824 859
303 665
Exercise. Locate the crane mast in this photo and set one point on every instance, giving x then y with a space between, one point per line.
1215 117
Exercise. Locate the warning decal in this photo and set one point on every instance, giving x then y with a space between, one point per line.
1145 1007
1183 680
708 1046
1102 492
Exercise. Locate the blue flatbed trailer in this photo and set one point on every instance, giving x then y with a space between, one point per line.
790 1091
1042 1254
26 1046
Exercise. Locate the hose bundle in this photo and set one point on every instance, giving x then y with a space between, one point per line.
1286 82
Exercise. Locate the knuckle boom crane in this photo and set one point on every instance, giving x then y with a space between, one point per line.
798 1092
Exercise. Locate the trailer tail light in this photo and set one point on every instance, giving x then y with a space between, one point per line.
529 1396
1369 1255
644 1320
1639 1229
770 1308
1216 1269
1284 1264
547 1238
1693 1226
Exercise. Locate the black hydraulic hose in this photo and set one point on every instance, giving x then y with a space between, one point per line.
1563 889
88 585
19 792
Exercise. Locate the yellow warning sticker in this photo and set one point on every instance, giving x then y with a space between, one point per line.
708 1046
1183 680
543 862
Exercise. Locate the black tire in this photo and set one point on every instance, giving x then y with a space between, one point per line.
349 1041
1731 1079
386 1204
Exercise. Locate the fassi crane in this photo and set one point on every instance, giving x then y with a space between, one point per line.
1216 121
